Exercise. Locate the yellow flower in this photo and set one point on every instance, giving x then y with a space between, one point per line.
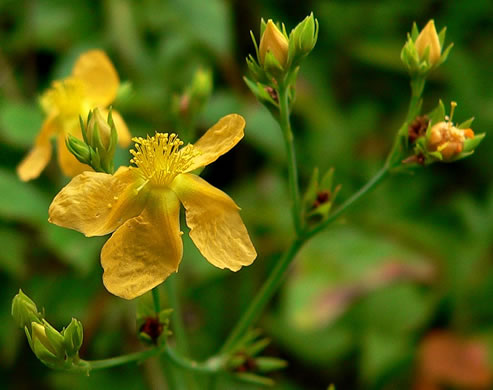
93 83
275 42
141 204
428 37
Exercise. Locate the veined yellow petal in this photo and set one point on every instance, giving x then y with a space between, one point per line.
124 136
39 156
215 224
97 72
219 139
69 165
97 203
147 249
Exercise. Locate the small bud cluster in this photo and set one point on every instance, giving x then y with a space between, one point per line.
55 349
248 366
320 195
98 146
278 56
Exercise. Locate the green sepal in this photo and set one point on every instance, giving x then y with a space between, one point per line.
312 189
466 124
414 32
236 361
472 143
252 35
257 347
327 179
272 66
24 310
43 354
255 379
263 26
259 90
83 128
266 364
248 338
438 114
460 156
56 339
445 54
79 149
441 36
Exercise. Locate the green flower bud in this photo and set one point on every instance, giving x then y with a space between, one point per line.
303 38
98 130
72 337
79 149
201 87
47 344
25 311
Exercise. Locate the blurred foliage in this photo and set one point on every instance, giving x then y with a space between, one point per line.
420 245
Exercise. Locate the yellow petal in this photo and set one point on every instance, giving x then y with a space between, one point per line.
39 156
124 136
69 165
219 139
147 249
97 203
215 224
428 37
97 72
274 41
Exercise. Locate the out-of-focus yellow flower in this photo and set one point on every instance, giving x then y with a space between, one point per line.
142 205
275 42
93 83
428 37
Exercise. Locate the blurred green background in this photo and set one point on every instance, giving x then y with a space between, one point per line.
396 295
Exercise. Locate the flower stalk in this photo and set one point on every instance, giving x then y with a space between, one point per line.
285 123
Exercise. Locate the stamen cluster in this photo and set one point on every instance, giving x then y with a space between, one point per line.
160 159
66 97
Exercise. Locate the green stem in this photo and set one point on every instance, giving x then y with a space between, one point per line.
210 366
188 378
275 278
417 87
285 124
176 316
263 297
89 365
155 299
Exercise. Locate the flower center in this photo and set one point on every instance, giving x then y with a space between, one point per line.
66 98
160 159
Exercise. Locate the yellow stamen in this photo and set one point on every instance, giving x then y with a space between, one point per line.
65 97
159 158
452 109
